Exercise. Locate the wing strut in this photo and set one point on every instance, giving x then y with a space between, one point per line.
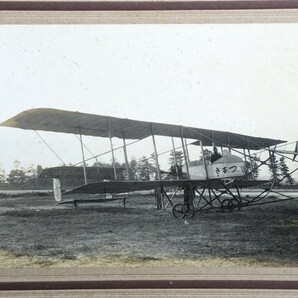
112 149
184 153
186 150
83 157
175 159
204 160
126 159
155 154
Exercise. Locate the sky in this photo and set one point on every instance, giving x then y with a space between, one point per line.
238 78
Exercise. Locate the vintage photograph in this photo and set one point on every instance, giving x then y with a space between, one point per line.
149 145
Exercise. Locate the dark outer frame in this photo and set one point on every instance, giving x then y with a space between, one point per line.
149 284
148 12
282 281
34 280
145 5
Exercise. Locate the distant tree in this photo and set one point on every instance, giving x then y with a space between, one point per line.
274 169
255 167
133 169
2 176
144 169
179 158
19 175
251 168
284 170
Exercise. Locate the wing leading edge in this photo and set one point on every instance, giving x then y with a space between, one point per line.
96 125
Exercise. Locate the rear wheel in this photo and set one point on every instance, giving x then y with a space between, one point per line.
183 210
227 206
178 210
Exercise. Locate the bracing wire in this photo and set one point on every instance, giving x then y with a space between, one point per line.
50 148
104 153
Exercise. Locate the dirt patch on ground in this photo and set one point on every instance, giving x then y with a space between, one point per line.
35 232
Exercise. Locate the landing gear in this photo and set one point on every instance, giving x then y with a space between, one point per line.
229 205
183 210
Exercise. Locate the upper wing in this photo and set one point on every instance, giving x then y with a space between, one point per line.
97 125
130 186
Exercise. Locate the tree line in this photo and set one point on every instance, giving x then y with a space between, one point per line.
142 170
280 171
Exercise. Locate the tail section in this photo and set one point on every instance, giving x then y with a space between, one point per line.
57 189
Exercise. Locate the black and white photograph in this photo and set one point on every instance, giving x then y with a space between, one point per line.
149 145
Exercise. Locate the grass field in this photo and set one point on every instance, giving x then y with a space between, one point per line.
36 232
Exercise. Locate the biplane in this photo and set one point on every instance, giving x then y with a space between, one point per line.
214 183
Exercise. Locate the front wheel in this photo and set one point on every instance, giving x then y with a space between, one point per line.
183 210
178 211
227 206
